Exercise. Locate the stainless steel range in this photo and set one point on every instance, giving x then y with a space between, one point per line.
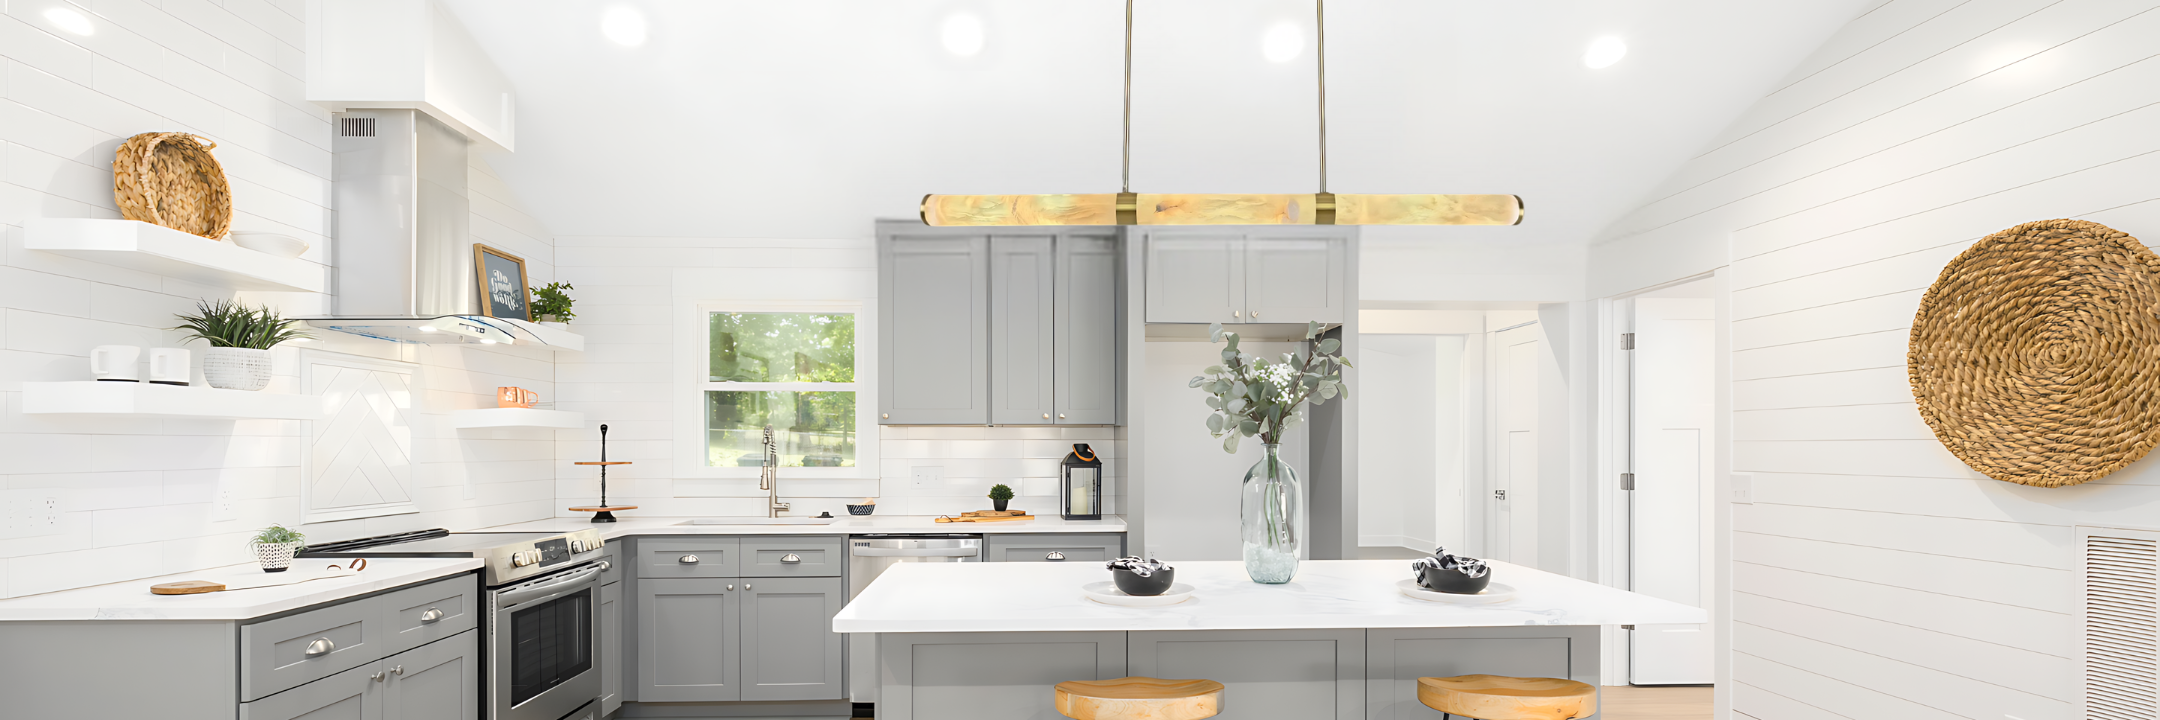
543 612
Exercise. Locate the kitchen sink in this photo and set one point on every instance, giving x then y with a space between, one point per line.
762 521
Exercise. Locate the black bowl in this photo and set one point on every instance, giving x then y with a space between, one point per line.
1134 585
860 509
1450 581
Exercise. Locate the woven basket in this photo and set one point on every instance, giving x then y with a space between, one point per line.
171 179
2035 357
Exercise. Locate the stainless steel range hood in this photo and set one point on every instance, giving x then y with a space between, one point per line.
404 248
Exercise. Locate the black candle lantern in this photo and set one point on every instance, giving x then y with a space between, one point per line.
1082 481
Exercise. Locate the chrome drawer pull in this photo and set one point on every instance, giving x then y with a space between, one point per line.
320 646
687 560
1055 556
431 617
791 558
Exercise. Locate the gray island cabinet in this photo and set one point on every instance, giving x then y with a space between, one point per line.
405 653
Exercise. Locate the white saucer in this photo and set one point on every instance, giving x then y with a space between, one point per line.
1106 592
1493 593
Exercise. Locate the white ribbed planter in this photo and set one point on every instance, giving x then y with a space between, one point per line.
231 368
275 557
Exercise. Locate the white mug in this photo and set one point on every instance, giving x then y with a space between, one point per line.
169 366
115 363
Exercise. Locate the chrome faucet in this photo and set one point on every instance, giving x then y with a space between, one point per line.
769 479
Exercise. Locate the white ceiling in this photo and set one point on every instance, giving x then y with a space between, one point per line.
808 118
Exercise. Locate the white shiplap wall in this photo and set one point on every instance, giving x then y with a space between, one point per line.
1875 576
137 494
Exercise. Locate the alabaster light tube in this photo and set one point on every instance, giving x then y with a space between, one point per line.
1222 209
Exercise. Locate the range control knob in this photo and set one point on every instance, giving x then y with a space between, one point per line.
519 559
577 547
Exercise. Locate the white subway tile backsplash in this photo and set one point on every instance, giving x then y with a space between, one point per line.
40 48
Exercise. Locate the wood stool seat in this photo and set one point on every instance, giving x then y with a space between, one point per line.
1139 698
1494 697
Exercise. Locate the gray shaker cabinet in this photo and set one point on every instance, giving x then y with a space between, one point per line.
611 645
1084 323
1195 277
688 645
789 651
933 322
1296 279
1255 275
1022 272
438 681
350 695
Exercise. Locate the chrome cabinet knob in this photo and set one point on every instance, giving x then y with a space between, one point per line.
1055 556
687 560
377 677
887 416
319 647
1236 313
399 670
791 558
1061 416
731 587
746 587
432 616
1255 314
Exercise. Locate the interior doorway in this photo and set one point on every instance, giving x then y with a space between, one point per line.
1666 450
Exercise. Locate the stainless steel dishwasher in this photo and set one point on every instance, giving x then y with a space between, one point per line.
868 557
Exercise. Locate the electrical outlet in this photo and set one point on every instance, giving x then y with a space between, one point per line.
30 513
1154 551
222 506
1743 488
926 478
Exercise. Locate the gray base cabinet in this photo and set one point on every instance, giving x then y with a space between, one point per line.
1073 548
688 646
438 681
989 676
789 651
611 648
763 633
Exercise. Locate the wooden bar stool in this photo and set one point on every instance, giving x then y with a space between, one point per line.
1139 698
1493 697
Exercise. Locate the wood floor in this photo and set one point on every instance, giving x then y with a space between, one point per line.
1654 703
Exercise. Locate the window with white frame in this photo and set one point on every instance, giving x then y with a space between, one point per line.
793 371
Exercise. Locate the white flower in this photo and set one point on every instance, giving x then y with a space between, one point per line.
1280 376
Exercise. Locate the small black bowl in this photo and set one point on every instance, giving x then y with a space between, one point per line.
860 509
1450 581
1137 586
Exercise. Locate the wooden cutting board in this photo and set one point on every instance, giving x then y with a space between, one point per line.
994 513
294 576
964 518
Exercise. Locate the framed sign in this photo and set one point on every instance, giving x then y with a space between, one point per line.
502 283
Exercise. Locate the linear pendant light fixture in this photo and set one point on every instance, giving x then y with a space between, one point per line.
1130 208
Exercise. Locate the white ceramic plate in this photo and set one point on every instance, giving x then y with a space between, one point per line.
285 246
1493 593
1106 592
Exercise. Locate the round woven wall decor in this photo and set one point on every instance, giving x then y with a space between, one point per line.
170 179
2035 357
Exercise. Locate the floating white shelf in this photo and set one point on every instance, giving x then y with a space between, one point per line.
171 253
517 418
555 339
91 397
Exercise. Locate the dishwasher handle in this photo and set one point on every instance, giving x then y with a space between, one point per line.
917 552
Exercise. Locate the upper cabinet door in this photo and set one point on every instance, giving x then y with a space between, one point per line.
1296 280
1086 329
934 322
1022 271
1195 278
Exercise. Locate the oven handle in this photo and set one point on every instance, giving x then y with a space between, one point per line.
512 599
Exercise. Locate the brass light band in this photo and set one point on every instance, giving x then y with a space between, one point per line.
1220 209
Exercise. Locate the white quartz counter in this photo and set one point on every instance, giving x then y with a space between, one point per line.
846 525
1030 597
132 600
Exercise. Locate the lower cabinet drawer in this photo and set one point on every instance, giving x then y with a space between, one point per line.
288 651
1102 547
792 556
693 558
355 693
420 615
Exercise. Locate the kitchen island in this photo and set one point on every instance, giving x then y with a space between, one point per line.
989 640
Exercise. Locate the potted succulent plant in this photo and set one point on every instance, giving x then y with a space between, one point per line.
275 547
551 305
240 339
999 495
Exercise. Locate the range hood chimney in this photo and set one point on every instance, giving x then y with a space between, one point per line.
404 250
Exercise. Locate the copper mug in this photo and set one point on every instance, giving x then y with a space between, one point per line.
515 397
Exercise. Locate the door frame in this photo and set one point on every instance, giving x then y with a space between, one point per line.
1614 317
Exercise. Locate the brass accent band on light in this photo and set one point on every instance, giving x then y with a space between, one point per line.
1223 209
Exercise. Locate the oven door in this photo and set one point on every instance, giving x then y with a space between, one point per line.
544 662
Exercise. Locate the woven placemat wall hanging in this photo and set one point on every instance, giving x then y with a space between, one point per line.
171 179
2035 357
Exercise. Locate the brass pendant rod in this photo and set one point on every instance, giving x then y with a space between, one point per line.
1320 52
1125 186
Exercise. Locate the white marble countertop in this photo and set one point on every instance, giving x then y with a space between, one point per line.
1033 597
846 525
132 600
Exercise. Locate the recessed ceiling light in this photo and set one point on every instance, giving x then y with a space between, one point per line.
70 21
962 35
624 25
1603 53
1283 42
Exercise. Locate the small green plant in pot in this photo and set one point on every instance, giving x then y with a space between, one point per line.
551 304
240 339
999 495
275 547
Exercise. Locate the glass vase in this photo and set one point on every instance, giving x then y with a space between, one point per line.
1270 519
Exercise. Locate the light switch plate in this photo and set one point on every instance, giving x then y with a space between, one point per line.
1743 488
926 478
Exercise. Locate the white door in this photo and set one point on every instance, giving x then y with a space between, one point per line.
1670 552
1516 353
